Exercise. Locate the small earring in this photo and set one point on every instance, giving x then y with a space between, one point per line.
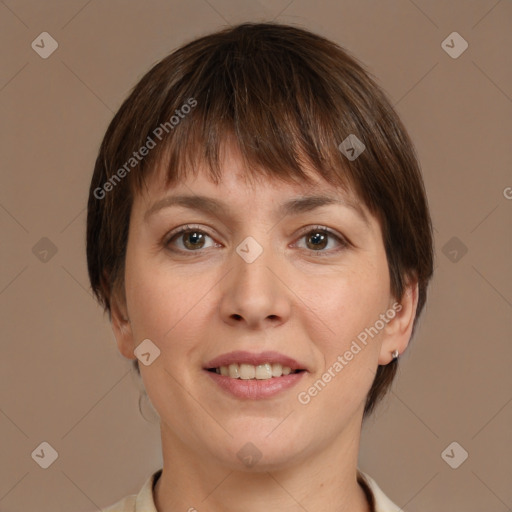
395 354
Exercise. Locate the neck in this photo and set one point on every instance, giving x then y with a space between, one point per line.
326 480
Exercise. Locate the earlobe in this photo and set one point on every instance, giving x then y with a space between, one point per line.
397 333
122 327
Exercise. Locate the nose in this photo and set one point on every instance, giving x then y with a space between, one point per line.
254 293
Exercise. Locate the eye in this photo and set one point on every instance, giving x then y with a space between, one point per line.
192 238
317 239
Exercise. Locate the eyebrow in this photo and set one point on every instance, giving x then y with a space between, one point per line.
293 206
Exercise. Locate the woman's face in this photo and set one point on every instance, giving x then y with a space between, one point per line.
256 280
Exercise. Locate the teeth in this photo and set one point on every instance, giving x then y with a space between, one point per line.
277 370
249 372
264 371
234 371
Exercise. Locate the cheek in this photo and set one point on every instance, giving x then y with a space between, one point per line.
348 307
347 304
164 306
151 304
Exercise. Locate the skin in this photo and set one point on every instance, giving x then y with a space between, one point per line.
199 304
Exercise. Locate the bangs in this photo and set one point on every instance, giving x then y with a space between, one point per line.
270 101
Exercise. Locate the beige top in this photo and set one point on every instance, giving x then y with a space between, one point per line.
144 502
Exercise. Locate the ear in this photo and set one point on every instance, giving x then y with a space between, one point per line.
397 333
121 325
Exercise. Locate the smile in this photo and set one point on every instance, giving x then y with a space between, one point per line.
252 376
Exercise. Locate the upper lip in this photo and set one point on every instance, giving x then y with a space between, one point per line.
243 357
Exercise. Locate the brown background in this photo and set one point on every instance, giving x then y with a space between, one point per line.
62 379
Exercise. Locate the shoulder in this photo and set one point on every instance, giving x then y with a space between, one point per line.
382 502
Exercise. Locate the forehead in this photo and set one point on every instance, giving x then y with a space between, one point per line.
239 182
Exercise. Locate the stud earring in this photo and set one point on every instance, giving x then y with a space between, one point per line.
395 354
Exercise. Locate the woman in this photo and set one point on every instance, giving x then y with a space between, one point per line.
259 234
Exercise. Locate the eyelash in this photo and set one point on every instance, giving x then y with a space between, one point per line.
344 243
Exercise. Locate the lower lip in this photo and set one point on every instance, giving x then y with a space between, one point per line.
255 389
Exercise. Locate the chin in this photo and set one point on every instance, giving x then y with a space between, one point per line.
257 451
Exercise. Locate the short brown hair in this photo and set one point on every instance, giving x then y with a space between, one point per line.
287 97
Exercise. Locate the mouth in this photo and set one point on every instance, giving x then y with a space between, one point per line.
248 375
263 371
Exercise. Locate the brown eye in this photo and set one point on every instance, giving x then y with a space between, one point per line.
318 239
193 239
189 239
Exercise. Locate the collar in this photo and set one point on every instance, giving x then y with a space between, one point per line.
144 501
